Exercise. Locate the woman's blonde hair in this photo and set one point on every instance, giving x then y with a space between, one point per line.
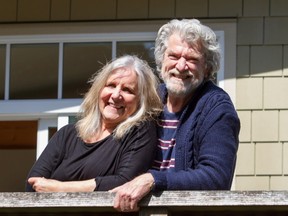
90 119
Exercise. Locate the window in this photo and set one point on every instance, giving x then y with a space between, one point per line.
34 71
143 49
48 74
60 66
80 62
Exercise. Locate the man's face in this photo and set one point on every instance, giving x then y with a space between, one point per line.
183 67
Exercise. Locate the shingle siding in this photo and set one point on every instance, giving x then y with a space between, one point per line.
262 65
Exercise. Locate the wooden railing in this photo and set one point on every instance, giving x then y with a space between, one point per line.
162 203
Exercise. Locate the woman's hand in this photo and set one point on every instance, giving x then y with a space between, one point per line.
41 184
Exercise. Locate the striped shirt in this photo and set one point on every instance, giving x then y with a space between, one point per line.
167 127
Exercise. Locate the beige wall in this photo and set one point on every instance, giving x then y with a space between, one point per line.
262 66
262 95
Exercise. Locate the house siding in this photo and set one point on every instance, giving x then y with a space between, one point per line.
262 66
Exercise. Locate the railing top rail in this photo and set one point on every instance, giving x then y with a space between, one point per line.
163 199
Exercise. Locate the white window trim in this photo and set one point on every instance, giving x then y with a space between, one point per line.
227 79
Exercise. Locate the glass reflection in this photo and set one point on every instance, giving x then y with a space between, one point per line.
143 49
81 61
34 71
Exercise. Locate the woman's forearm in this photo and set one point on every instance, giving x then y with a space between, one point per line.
50 185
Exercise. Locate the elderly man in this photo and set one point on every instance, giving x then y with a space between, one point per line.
198 128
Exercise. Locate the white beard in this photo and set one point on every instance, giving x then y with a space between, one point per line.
181 86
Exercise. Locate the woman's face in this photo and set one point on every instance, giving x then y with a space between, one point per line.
119 98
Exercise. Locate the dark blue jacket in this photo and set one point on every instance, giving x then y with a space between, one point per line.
206 143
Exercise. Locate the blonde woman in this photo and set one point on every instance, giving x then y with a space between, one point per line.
114 139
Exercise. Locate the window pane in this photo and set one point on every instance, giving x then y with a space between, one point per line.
2 71
51 132
34 71
81 61
72 119
143 49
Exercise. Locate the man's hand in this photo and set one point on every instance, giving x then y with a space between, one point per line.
128 195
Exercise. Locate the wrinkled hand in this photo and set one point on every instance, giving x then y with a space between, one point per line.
41 184
128 195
